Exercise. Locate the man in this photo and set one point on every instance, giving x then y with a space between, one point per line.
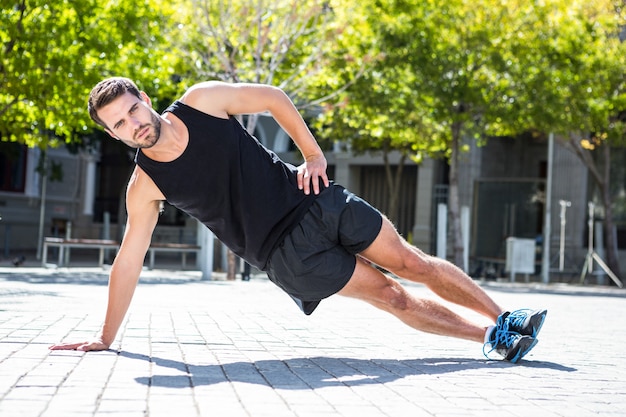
311 236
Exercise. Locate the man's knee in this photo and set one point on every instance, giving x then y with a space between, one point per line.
416 264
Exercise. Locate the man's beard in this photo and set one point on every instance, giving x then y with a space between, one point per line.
153 137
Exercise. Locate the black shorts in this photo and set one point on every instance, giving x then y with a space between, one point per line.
317 258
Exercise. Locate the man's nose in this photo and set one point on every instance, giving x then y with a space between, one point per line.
135 122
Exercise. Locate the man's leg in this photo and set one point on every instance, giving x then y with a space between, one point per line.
510 337
391 252
371 285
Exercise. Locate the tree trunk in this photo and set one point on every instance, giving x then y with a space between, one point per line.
602 180
454 209
393 184
232 265
612 259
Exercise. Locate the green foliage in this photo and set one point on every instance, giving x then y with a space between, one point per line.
53 52
448 72
567 65
415 68
378 110
430 74
491 68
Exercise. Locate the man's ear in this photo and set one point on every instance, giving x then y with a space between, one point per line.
145 98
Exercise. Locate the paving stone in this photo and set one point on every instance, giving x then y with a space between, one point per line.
204 348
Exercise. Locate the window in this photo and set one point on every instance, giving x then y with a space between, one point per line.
12 167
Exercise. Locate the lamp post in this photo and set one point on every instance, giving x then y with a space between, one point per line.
564 205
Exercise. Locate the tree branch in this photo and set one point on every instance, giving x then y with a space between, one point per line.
586 157
8 106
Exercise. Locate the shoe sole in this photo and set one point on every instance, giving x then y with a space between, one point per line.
537 320
525 345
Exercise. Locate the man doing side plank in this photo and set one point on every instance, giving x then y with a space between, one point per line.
311 236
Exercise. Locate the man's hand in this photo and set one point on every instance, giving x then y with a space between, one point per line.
311 172
83 346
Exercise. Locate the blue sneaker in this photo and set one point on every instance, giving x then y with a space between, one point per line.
507 342
525 321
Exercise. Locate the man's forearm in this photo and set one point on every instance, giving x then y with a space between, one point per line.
122 283
287 116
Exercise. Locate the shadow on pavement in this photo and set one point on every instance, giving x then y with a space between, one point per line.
317 372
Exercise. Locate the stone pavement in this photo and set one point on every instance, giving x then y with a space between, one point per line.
218 348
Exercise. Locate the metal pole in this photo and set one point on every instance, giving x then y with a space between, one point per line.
590 239
465 225
205 257
564 205
442 227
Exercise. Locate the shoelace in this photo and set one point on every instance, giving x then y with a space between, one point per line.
518 317
503 336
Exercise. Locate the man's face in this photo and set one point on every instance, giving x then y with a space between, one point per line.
132 120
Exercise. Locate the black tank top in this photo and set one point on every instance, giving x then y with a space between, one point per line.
231 183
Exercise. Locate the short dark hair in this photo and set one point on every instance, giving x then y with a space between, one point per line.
106 91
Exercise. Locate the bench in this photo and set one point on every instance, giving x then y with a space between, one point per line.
62 244
103 245
494 268
181 248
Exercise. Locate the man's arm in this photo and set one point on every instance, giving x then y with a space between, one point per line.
143 213
224 99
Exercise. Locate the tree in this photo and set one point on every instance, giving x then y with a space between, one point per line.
434 85
283 43
567 64
286 43
481 69
53 52
380 113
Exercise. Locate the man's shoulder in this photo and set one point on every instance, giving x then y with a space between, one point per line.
141 188
210 97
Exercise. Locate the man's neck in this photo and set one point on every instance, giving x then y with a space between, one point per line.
172 141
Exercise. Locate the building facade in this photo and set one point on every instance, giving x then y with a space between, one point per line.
503 185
